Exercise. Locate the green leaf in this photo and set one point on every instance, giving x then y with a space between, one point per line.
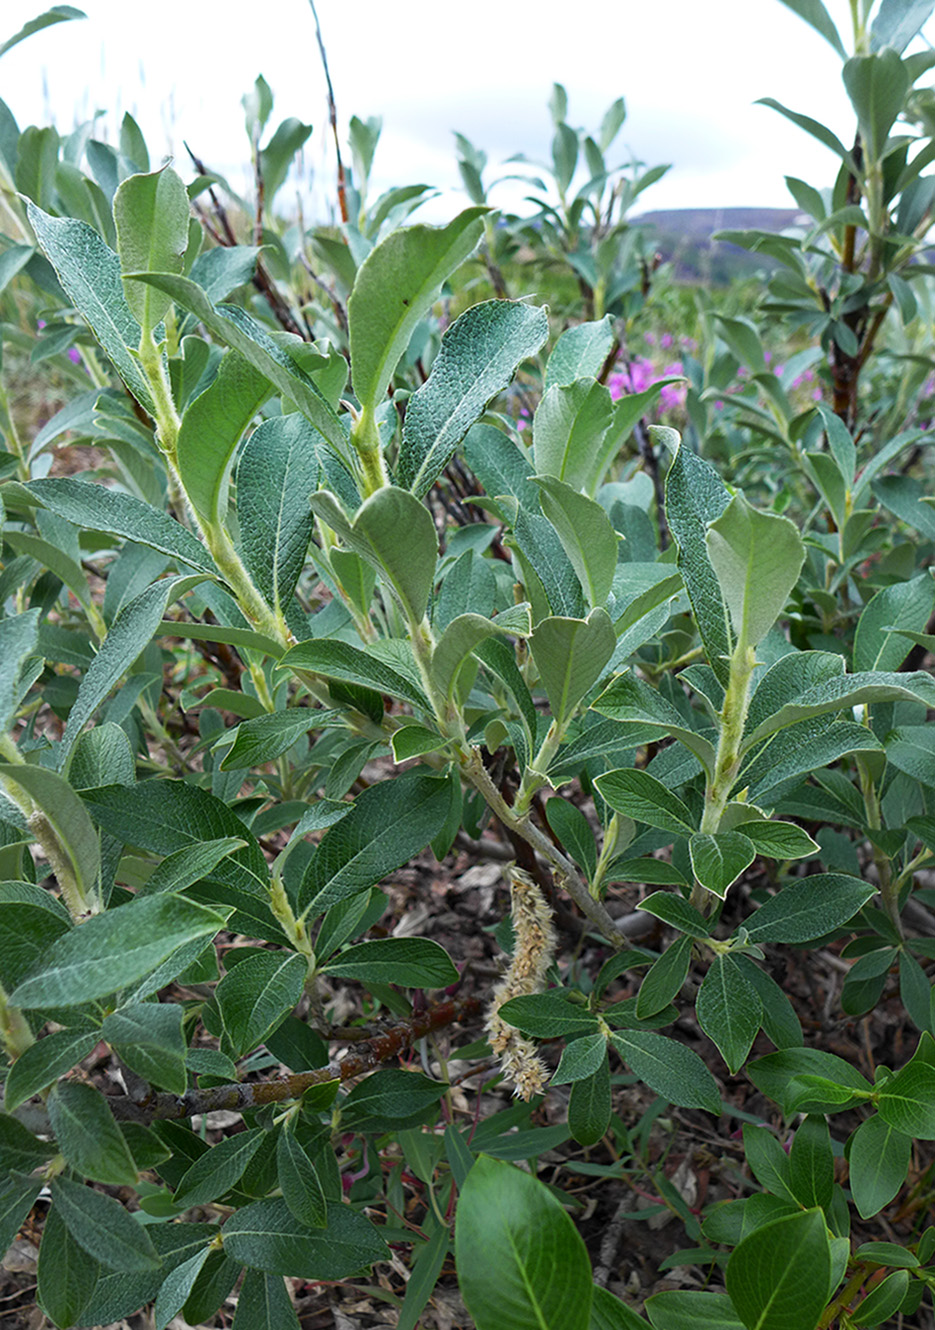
905 497
166 815
778 840
276 157
299 1182
815 128
909 748
388 824
729 1011
183 868
695 497
19 637
907 1102
520 1259
609 1313
757 558
56 14
266 1236
119 1295
390 1098
880 642
234 328
395 533
257 995
148 1037
60 564
687 1310
811 1163
548 1016
589 1105
571 655
211 429
848 690
394 288
815 14
897 23
464 634
265 738
409 962
664 979
768 1161
567 429
17 1197
97 508
176 1288
883 1301
88 1136
69 820
428 1261
128 636
627 698
20 1151
478 356
545 570
90 274
579 353
44 1062
809 908
639 795
877 85
112 950
778 1074
353 665
103 1227
216 1171
574 831
66 1278
674 910
718 860
586 534
264 1304
581 1058
778 1277
276 475
669 1069
151 213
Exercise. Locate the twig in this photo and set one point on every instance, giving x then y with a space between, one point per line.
332 116
562 868
227 238
238 1097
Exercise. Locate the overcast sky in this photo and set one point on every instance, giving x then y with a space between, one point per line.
690 73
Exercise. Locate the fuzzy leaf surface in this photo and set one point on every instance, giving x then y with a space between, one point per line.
478 356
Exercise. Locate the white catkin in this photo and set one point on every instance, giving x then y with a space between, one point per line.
532 955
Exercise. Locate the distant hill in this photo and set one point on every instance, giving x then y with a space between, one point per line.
684 237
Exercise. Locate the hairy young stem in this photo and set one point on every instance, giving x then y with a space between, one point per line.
564 870
729 753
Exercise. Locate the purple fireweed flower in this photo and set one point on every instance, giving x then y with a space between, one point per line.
74 355
666 340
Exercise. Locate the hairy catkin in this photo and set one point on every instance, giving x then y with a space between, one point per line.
532 955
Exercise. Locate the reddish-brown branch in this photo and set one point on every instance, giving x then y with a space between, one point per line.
236 1098
332 117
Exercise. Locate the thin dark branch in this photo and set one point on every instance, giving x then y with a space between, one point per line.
332 116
